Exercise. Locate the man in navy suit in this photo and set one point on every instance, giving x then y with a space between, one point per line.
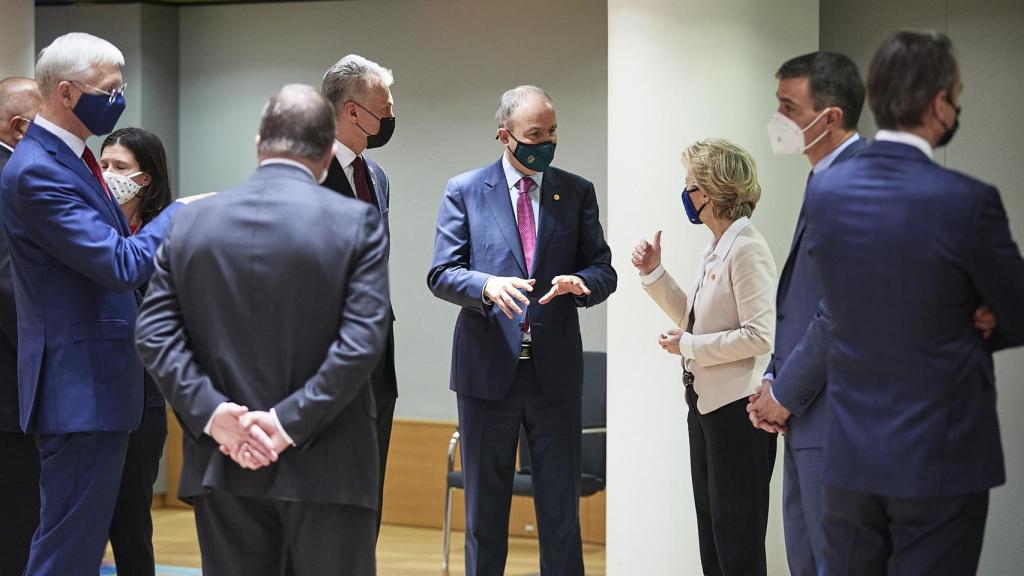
820 100
503 230
75 267
907 251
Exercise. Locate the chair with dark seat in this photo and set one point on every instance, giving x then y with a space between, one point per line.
592 457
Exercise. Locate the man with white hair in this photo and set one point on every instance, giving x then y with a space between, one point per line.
502 231
364 118
76 268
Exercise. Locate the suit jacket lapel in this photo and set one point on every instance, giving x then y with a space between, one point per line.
500 202
550 213
378 191
66 157
337 181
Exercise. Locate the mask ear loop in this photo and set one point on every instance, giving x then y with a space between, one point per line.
813 122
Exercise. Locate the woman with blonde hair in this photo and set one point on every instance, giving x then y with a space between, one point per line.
725 329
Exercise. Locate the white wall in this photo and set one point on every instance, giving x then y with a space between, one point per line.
17 38
452 60
680 70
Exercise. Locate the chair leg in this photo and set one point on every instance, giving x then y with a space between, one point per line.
447 532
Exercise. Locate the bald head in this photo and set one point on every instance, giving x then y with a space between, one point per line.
20 101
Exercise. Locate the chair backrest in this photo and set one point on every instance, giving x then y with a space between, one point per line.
595 412
595 385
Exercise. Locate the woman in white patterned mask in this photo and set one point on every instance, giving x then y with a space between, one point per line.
135 169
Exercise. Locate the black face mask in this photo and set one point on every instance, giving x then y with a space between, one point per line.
950 130
383 135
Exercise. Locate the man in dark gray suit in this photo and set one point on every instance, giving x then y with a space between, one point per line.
20 100
274 298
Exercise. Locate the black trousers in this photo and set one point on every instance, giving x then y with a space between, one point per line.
131 530
19 495
490 435
871 534
385 419
250 536
731 465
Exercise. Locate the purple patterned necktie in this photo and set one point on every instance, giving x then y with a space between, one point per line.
527 231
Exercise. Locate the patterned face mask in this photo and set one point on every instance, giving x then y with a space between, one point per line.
122 187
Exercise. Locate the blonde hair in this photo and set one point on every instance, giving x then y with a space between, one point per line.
725 173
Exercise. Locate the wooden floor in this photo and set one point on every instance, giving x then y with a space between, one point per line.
401 551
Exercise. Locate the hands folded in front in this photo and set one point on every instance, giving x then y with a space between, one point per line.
252 439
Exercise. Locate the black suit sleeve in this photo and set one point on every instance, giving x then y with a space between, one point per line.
595 257
997 270
163 346
359 344
8 311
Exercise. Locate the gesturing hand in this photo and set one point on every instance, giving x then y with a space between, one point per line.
504 292
646 256
233 437
565 285
669 341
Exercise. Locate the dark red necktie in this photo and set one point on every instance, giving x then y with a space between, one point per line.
94 167
359 175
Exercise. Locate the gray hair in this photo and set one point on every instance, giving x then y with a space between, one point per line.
297 121
352 78
512 99
72 57
19 97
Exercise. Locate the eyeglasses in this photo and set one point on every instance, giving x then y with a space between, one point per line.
112 95
691 189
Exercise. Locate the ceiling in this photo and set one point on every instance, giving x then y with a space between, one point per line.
163 2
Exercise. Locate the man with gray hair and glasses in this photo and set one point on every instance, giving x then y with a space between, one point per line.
504 230
76 267
274 297
364 112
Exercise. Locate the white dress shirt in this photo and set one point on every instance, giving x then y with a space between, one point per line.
6 146
512 178
346 157
906 138
76 144
290 162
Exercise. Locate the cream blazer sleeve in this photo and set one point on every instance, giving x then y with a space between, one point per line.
753 274
669 297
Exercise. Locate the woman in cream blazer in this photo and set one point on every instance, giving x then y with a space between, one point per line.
725 329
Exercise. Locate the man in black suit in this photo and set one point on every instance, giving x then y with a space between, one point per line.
274 299
20 100
364 118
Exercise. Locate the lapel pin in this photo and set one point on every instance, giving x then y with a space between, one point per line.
712 277
557 197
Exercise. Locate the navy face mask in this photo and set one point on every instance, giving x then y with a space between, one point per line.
692 213
536 157
98 112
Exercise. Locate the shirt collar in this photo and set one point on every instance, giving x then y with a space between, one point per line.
344 154
289 162
6 146
513 176
721 249
827 161
907 138
76 144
